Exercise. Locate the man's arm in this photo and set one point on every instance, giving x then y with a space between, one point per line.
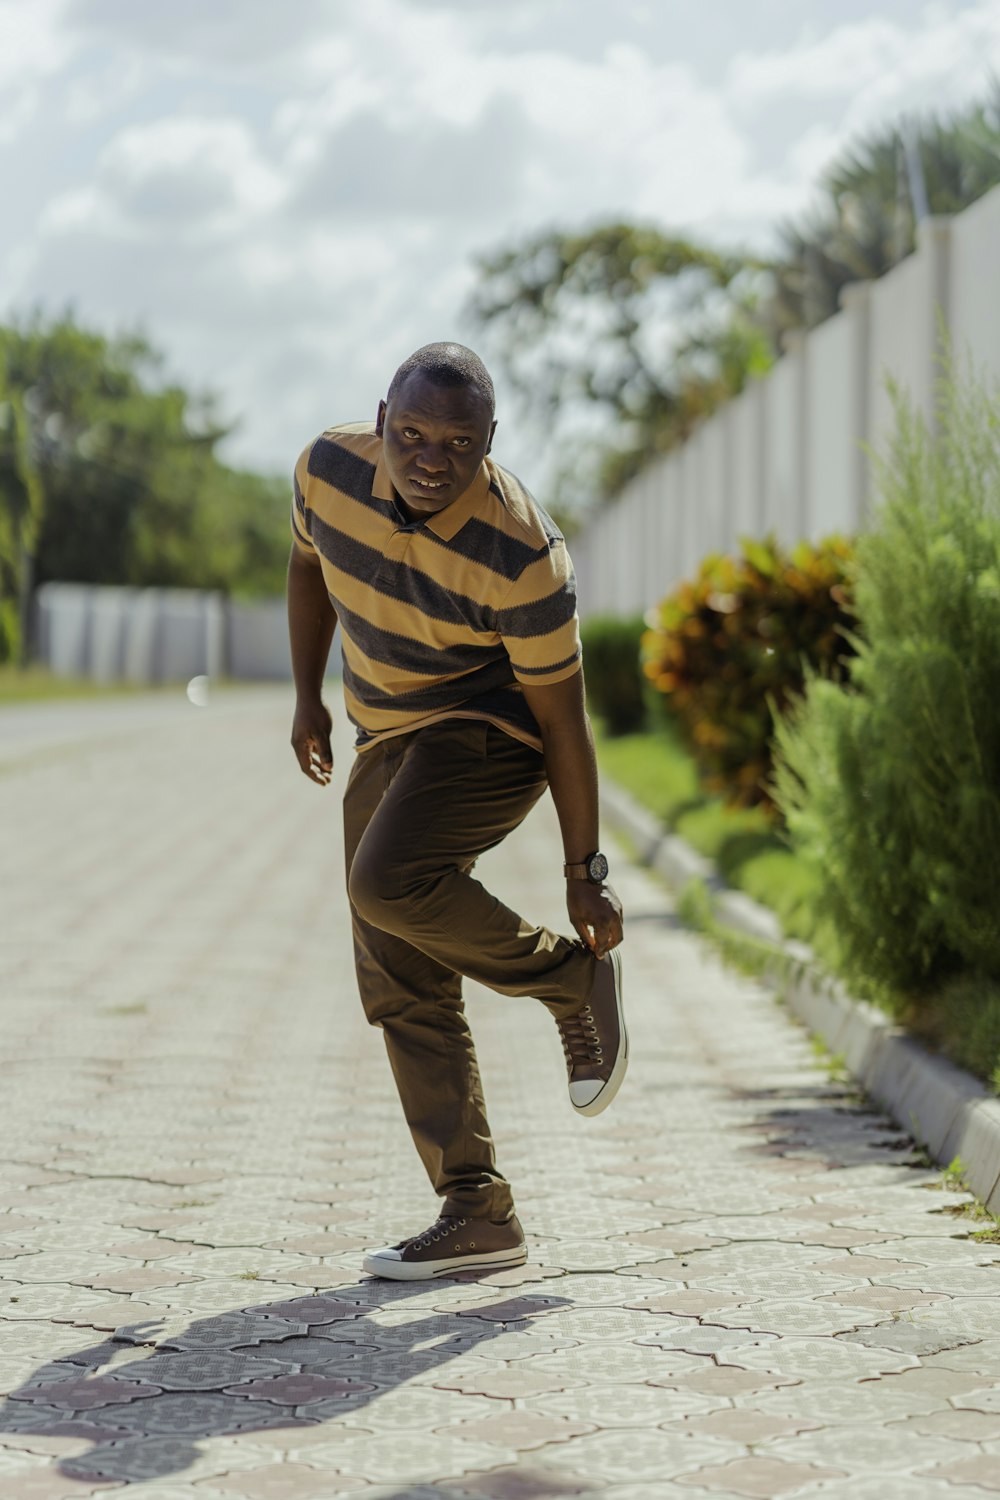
311 623
571 767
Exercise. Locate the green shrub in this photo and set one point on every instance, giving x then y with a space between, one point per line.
614 672
730 649
892 791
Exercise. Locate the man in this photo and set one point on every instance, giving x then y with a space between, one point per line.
462 676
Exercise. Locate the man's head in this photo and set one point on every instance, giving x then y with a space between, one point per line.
437 425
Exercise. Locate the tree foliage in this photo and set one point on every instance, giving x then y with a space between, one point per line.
584 320
866 219
633 335
109 474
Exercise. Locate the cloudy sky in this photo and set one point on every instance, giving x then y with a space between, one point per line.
288 195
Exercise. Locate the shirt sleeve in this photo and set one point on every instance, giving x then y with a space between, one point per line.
301 514
538 623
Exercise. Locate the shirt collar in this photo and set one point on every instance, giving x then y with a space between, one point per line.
448 522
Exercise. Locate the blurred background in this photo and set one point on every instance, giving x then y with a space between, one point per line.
226 223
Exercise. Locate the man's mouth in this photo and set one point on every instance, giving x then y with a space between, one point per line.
429 486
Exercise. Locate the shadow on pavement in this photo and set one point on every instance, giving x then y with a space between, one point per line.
284 1364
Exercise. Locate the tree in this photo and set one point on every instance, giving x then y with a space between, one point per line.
873 200
638 335
647 331
108 474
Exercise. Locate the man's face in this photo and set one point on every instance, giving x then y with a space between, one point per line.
435 439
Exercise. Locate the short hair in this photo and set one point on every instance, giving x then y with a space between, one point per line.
447 364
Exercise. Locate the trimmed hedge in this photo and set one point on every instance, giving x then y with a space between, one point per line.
614 677
892 791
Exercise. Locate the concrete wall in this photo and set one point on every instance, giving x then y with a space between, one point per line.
790 454
158 635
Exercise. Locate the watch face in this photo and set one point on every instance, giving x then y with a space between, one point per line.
597 868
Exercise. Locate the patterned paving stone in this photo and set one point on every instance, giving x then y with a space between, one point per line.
846 1402
520 1430
200 1370
530 1480
911 1338
704 1338
515 1309
870 1448
809 1357
966 1425
982 1358
759 1477
742 1426
725 1380
650 1455
406 1457
285 1481
506 1382
85 1393
609 1406
791 1316
39 1484
615 1362
987 1400
268 1130
981 1470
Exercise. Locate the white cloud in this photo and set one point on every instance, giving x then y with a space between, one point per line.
289 197
178 177
32 49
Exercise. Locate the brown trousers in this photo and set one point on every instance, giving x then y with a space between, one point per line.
418 811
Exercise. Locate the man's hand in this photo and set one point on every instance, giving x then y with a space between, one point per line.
596 914
311 740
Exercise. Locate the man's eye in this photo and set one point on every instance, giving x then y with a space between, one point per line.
410 432
462 442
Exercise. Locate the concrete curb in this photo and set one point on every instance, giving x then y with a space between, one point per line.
946 1109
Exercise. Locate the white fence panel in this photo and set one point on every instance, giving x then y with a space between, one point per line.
790 455
905 308
784 441
835 433
747 468
974 283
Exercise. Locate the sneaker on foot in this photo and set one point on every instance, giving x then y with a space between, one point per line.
595 1041
452 1244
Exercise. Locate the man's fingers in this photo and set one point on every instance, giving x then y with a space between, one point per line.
315 761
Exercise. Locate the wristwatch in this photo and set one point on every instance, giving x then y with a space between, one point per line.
594 868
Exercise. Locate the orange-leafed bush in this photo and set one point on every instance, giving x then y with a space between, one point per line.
728 650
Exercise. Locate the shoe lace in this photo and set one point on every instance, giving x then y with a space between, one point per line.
581 1039
447 1224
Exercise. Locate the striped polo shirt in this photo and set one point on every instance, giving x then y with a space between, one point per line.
440 618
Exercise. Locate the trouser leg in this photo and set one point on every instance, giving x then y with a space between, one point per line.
417 1003
459 789
418 811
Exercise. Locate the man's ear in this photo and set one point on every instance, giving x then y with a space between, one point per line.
380 420
493 428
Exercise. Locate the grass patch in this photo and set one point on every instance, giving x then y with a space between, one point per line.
749 853
36 684
961 1021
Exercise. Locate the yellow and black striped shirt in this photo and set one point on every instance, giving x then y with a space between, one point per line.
440 618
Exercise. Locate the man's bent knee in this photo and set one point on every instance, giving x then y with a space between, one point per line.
383 894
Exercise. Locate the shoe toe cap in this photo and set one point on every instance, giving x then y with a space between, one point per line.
585 1091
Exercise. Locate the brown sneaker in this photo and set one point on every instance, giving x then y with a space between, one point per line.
595 1041
452 1244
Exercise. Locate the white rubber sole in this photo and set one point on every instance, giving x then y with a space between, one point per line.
614 1083
427 1270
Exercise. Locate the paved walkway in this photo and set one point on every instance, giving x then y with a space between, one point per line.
741 1282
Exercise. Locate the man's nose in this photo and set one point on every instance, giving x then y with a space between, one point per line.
431 460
